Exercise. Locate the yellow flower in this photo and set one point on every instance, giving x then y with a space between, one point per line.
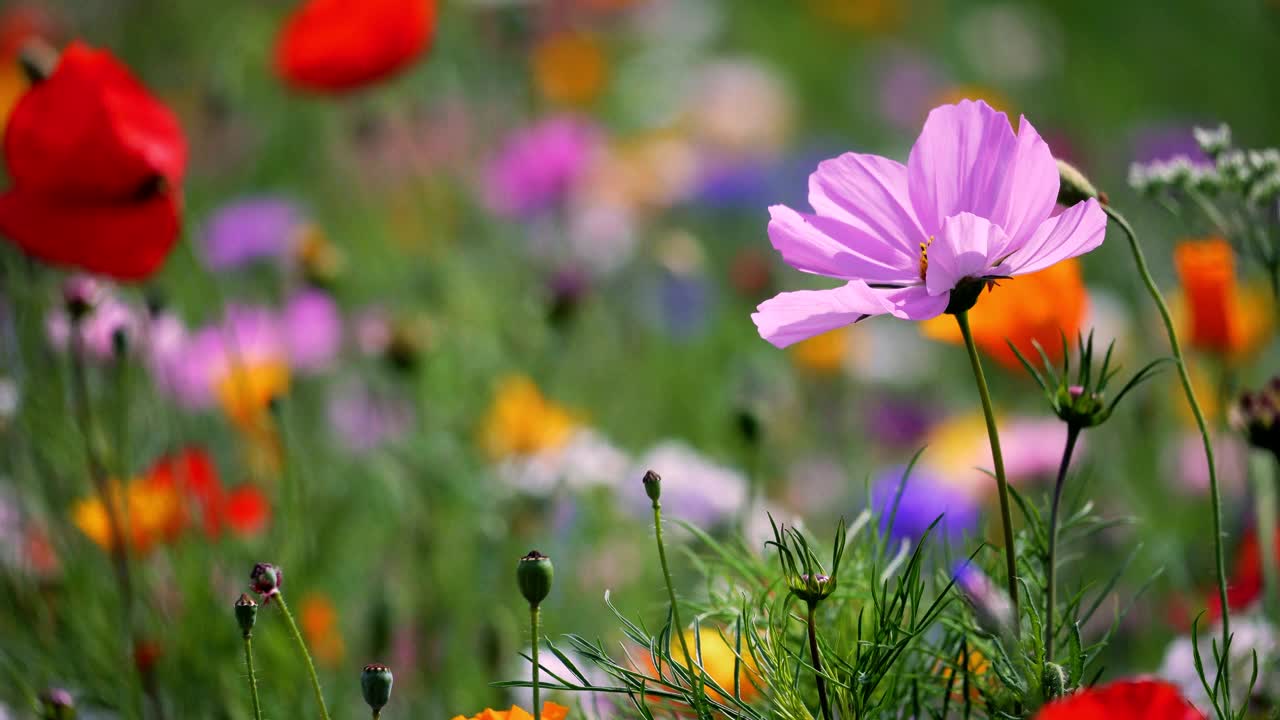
718 660
550 711
319 620
822 354
521 421
246 390
151 513
569 68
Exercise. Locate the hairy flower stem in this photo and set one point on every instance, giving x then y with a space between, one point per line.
306 656
533 627
1262 473
1215 496
1051 569
997 459
98 475
817 663
253 678
694 670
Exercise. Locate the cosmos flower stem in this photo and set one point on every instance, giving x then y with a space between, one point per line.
1051 564
817 662
694 670
1215 495
1262 473
98 476
533 627
306 656
253 678
997 460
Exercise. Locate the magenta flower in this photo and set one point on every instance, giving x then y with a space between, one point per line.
539 165
973 203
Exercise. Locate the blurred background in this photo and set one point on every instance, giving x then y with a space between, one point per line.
491 291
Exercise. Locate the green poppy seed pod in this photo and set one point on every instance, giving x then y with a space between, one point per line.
1055 680
246 613
375 683
653 485
1073 186
534 574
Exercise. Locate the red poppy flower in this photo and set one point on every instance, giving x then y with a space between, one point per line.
193 473
1123 700
95 162
1246 577
246 510
339 45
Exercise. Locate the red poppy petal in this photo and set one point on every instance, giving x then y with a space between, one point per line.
91 131
1123 700
127 241
337 45
247 510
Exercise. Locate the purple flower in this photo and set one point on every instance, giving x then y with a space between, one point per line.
364 419
924 498
107 316
974 202
312 328
250 229
538 165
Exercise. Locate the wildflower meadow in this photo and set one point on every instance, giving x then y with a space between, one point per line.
605 359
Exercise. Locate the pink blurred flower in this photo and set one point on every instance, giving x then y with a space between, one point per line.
250 229
537 166
109 317
974 202
363 419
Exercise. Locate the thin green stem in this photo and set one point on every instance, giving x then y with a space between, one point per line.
1215 496
533 627
1262 473
253 678
306 656
1051 569
817 663
694 670
997 459
119 550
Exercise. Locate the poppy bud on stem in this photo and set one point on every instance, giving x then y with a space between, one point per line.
375 685
246 615
534 574
653 489
266 579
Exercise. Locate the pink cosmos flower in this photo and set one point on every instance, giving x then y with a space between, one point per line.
973 203
538 166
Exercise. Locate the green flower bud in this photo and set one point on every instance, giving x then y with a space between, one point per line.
534 574
1054 679
812 588
1073 186
375 684
246 613
653 485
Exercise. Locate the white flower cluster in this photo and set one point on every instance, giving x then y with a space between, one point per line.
1253 174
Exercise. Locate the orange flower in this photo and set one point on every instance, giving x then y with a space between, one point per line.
550 711
1041 306
822 354
154 514
521 421
1215 313
569 68
319 620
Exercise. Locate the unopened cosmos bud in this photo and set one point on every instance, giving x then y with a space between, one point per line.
653 485
1073 186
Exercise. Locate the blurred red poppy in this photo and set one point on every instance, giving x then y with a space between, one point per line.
1123 700
246 510
96 162
338 45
